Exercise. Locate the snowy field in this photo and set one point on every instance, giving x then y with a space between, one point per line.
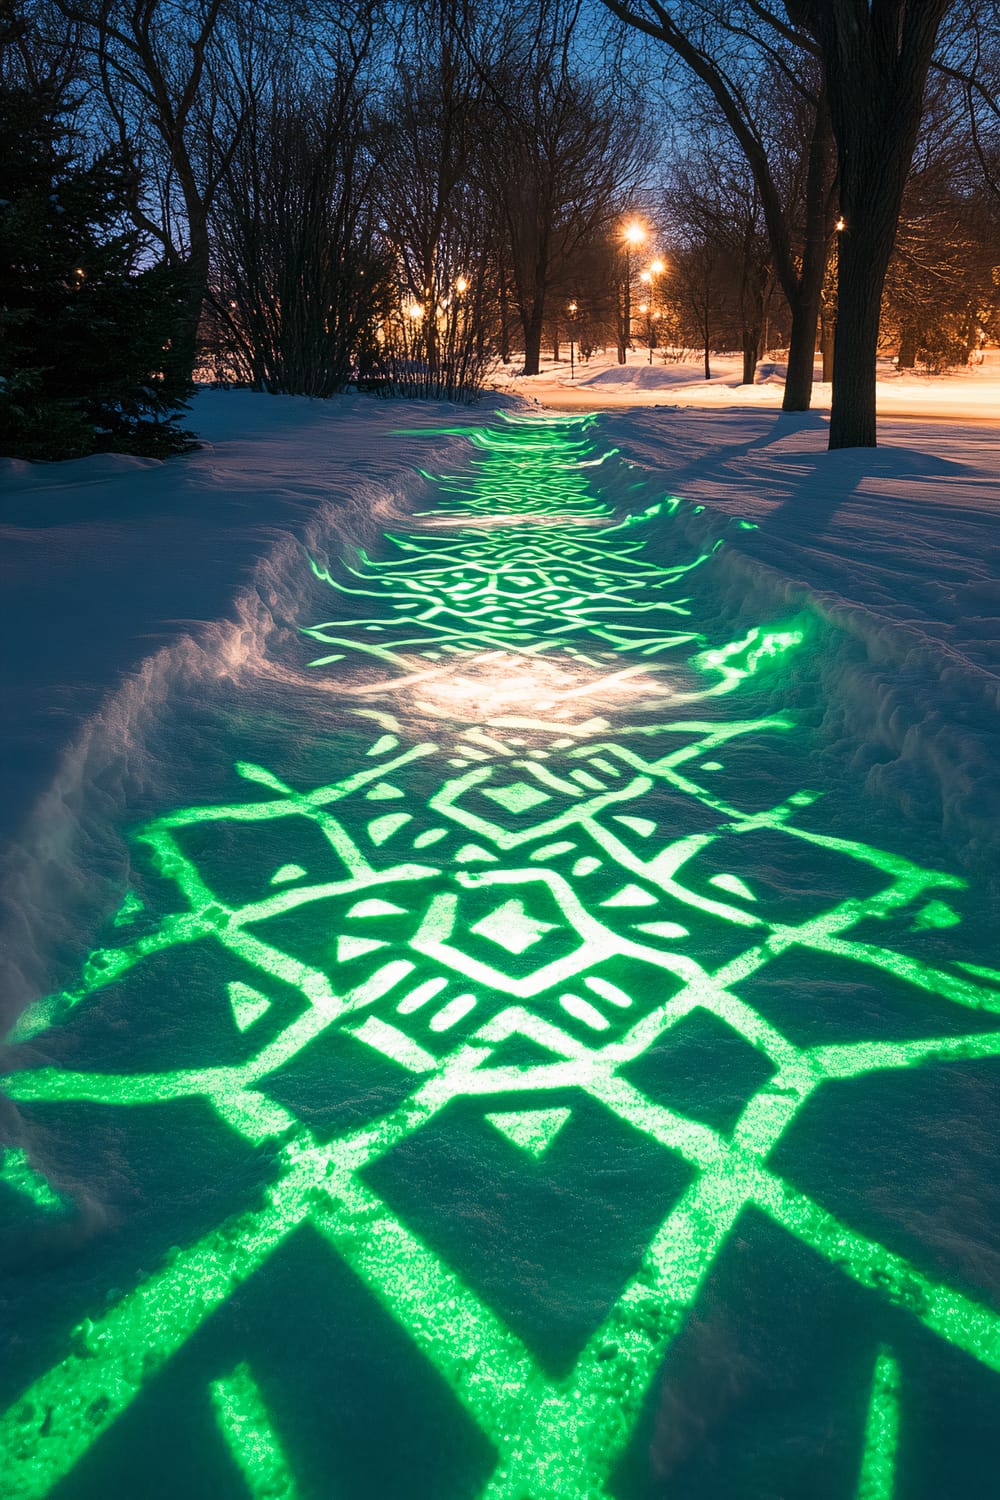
539 878
600 383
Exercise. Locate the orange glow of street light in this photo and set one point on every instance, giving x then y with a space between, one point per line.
461 285
657 268
415 311
633 234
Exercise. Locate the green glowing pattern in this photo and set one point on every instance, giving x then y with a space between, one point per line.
878 1469
19 1175
533 1130
551 900
246 1428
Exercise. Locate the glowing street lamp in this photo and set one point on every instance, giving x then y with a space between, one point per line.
572 310
632 236
415 311
656 268
461 285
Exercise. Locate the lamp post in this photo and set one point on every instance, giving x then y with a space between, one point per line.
649 279
571 309
632 234
651 317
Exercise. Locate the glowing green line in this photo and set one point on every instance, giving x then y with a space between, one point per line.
21 1177
948 1313
582 885
878 1467
47 1432
245 1425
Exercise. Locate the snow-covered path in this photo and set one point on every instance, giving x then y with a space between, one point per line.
526 1033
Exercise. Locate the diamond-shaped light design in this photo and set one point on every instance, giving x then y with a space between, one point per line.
511 928
519 797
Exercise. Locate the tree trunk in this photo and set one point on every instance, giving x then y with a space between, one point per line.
827 333
504 319
819 227
907 356
532 325
186 343
862 271
751 353
875 63
805 309
872 180
801 353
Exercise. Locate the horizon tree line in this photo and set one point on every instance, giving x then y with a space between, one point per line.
396 196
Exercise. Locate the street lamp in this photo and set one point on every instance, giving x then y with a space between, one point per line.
656 268
647 313
461 285
572 310
633 235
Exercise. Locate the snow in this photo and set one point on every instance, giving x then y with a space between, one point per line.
900 547
601 383
161 620
119 575
105 560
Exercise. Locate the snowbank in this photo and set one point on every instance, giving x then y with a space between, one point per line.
121 576
899 547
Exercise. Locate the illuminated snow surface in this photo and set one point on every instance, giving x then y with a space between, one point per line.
509 1007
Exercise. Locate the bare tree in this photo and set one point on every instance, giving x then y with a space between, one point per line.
435 214
875 60
712 207
872 57
968 57
561 152
173 99
40 50
745 60
941 286
299 272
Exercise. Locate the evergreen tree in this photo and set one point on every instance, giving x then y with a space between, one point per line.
85 330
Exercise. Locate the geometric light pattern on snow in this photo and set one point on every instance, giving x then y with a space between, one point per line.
585 924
